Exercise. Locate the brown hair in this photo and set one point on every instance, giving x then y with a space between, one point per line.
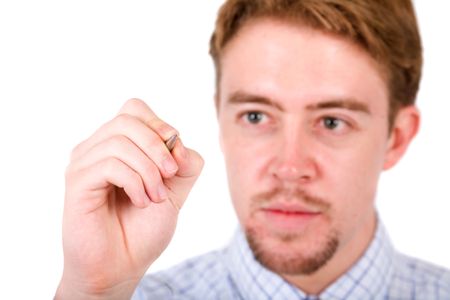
386 29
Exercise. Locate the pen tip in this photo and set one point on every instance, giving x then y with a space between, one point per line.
170 143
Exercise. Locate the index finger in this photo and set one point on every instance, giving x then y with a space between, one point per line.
140 110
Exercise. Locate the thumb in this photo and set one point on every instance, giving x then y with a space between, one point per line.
190 165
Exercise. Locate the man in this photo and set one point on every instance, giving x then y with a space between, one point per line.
314 100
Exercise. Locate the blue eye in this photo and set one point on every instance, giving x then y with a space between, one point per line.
331 123
254 117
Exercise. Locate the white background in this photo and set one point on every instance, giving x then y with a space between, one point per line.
67 67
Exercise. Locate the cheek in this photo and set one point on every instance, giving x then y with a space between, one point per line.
354 178
245 166
245 154
246 163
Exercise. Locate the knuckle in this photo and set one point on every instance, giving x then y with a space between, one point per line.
134 105
134 102
110 164
123 120
162 128
117 142
151 144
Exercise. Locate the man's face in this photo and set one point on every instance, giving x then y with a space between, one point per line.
304 131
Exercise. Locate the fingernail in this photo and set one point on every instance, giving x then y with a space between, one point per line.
169 165
162 192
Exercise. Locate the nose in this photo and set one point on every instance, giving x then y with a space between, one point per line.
295 159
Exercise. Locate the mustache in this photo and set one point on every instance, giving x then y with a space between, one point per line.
292 195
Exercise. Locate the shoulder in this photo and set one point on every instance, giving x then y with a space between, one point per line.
420 279
202 277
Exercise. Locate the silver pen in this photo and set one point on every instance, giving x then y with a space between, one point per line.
170 143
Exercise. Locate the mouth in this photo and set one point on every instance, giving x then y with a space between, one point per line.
289 217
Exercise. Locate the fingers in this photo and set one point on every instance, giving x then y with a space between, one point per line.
101 175
142 154
141 135
190 164
125 151
143 112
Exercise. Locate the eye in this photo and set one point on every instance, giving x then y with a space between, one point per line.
336 125
254 117
331 123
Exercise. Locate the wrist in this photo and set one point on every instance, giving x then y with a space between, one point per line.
69 291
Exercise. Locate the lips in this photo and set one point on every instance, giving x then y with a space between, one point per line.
289 216
291 208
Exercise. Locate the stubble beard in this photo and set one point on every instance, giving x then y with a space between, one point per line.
291 263
286 257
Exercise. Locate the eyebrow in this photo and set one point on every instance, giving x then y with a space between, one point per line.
349 104
241 98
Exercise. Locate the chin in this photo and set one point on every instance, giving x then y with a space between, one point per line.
291 253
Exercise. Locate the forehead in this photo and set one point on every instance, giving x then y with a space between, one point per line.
299 65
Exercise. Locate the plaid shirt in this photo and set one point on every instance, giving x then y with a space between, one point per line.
233 273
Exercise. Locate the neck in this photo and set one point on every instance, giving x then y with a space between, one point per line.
344 258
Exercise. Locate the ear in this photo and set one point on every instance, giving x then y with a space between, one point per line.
404 129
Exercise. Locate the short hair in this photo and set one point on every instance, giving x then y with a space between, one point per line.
386 29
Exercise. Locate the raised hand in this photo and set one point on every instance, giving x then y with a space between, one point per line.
124 189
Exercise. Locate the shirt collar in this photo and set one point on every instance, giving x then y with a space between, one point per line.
368 278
